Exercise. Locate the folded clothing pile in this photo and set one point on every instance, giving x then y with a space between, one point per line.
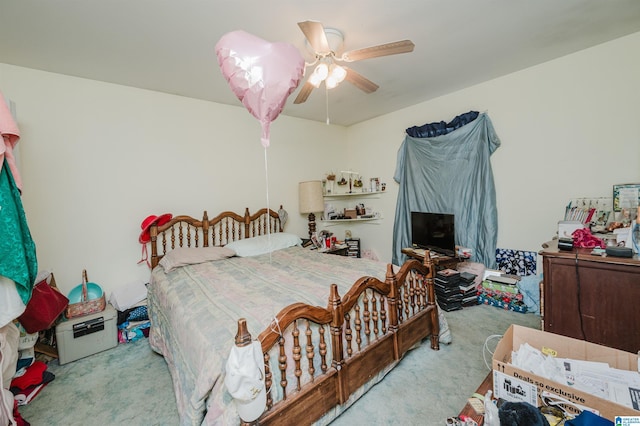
133 323
130 301
29 381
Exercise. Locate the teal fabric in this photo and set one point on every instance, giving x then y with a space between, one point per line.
17 249
450 173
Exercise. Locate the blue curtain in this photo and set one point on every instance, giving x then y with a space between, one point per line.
450 172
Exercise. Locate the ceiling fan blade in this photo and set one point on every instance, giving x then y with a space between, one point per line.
304 93
314 32
360 81
393 48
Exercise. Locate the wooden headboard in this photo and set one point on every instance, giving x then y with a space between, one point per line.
186 231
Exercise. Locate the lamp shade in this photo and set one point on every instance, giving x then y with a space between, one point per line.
310 199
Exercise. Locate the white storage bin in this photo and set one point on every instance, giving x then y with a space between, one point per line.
83 336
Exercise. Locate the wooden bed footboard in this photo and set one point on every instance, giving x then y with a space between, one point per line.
186 231
324 355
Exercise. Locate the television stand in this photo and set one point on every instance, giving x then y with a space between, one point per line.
440 260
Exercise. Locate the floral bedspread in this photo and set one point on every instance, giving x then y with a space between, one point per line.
194 312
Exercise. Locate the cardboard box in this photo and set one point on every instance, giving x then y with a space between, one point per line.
87 335
350 213
514 384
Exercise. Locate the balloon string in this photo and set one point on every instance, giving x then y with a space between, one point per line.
266 180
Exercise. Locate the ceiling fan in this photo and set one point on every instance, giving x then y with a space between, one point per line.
326 44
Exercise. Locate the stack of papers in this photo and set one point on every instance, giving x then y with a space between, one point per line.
595 378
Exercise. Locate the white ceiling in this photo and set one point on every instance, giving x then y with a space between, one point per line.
168 46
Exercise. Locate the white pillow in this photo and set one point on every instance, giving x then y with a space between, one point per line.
182 256
264 244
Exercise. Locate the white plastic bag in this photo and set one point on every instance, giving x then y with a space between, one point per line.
490 411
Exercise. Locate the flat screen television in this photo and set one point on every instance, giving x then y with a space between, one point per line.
433 231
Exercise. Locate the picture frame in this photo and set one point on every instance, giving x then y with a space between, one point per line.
626 196
601 217
316 241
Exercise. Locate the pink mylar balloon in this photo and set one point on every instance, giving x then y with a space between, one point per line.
261 74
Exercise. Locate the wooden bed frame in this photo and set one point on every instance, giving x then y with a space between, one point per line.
360 334
186 231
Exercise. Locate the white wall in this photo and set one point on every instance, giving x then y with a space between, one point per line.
569 128
97 158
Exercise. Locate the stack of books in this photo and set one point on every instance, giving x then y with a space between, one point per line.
468 289
447 285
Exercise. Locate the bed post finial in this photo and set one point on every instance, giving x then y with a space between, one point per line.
205 231
153 236
247 223
337 321
243 337
431 299
391 279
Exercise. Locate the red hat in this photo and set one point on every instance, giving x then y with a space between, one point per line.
145 237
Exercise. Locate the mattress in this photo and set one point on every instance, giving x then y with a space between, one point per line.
194 312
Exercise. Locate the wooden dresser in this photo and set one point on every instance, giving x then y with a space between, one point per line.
593 298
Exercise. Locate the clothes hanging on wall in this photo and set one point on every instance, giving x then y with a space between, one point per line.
17 249
11 305
19 265
450 173
10 137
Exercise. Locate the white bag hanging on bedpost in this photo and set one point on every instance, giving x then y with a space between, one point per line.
245 380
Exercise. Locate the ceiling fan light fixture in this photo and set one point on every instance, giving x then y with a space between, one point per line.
318 75
331 82
321 71
314 80
336 75
326 45
337 72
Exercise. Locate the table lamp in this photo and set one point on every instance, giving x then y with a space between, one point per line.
310 200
